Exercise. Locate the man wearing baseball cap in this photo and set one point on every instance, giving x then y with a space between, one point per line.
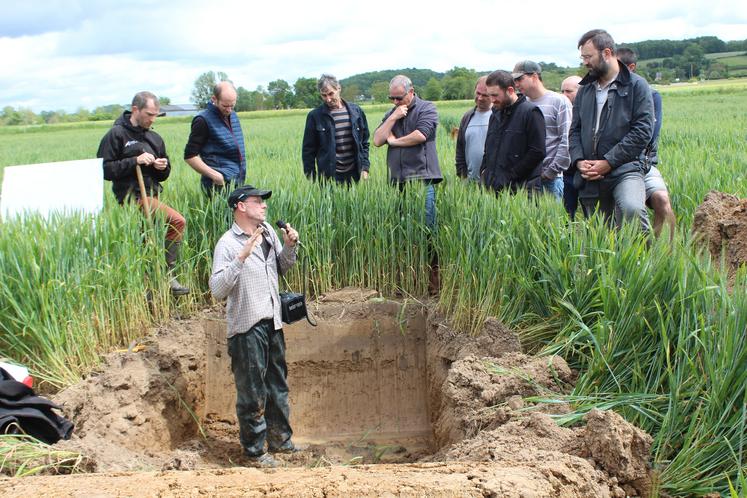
246 263
556 109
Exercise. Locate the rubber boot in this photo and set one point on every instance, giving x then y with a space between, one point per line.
172 254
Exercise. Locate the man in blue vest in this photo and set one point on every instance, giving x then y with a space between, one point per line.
215 148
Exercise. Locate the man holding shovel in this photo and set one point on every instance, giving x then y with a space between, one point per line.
135 161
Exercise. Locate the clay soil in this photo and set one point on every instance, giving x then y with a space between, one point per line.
391 400
720 222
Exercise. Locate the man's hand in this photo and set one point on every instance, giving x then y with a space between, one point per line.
593 170
399 112
290 236
548 175
250 244
146 158
160 164
364 175
217 178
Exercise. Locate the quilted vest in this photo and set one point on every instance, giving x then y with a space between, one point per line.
224 150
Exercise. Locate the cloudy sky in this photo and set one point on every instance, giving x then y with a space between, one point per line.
66 54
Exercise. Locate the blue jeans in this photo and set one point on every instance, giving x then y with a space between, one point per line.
623 199
430 207
259 370
554 187
430 202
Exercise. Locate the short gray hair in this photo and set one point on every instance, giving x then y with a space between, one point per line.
140 100
401 80
327 80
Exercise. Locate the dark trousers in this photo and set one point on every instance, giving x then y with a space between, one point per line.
210 189
259 370
570 195
348 178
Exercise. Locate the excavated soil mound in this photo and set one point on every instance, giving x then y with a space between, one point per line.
378 381
721 222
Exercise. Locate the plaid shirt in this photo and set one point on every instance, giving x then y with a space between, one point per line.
251 287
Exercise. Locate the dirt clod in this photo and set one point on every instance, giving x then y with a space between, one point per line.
620 448
721 223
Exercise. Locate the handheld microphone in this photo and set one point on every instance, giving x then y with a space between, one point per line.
281 224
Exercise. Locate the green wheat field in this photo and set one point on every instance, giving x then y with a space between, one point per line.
650 325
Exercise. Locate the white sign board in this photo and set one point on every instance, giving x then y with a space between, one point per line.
63 187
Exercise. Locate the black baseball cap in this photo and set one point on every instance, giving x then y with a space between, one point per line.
245 191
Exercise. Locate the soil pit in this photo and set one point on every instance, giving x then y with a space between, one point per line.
378 381
358 391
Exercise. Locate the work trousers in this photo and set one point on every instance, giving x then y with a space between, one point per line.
174 220
259 370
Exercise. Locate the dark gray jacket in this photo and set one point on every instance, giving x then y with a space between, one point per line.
625 127
417 162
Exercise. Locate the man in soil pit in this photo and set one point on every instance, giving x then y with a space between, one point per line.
246 263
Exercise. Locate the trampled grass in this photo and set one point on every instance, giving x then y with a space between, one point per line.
651 326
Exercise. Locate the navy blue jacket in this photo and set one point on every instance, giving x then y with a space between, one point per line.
514 147
319 144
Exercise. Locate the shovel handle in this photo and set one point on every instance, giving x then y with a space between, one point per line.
143 193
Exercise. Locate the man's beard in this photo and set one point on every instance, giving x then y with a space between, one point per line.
599 69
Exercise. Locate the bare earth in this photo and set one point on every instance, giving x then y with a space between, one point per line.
390 399
721 223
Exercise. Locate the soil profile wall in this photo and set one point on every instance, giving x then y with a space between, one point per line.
359 375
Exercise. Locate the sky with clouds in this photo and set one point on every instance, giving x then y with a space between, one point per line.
68 54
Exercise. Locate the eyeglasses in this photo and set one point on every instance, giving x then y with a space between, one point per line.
586 58
397 97
519 78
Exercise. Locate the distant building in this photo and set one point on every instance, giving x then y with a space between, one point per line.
180 109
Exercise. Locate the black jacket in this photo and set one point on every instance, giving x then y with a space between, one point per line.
120 147
34 415
514 147
625 126
319 144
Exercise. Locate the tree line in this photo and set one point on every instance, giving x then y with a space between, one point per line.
671 60
457 83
